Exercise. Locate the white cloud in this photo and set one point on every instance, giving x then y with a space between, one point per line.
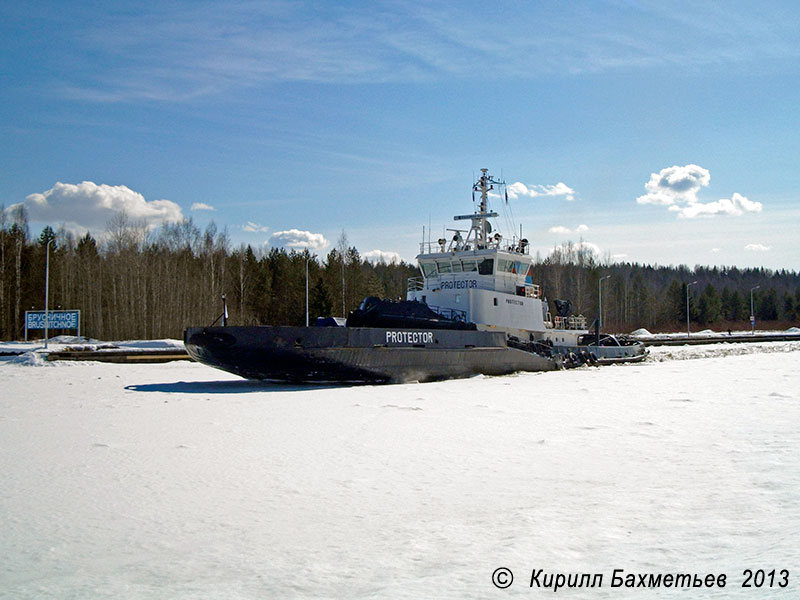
515 190
377 256
757 248
560 229
618 256
593 248
202 206
735 206
89 206
294 238
715 250
254 228
677 188
675 185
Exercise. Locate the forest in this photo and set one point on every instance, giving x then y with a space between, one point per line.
136 283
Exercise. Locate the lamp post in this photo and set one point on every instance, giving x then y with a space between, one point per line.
752 312
600 300
47 292
307 257
688 331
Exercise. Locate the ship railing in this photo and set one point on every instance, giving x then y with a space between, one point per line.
415 284
573 322
515 247
450 313
431 248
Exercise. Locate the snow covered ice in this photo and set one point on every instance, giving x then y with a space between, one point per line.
180 481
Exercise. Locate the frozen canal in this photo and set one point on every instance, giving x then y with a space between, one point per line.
179 481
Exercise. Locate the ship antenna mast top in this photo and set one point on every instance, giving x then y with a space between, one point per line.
480 225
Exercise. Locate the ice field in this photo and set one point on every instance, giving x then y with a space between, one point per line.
180 481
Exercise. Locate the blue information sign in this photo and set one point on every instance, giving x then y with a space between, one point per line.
56 319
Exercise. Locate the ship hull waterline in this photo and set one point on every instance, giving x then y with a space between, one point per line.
358 354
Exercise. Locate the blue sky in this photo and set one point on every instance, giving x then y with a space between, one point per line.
658 132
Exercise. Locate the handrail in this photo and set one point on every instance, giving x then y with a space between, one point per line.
573 322
450 313
415 284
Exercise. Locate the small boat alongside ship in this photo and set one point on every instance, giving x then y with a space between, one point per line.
474 309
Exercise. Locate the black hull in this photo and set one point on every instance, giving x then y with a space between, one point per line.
358 354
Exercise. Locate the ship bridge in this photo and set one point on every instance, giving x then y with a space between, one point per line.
492 269
478 277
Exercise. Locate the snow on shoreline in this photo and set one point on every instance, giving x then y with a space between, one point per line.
180 481
720 349
34 354
65 342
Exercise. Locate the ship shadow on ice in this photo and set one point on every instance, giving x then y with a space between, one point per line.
231 387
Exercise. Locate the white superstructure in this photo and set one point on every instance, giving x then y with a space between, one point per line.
478 276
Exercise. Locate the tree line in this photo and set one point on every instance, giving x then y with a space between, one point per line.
139 283
655 297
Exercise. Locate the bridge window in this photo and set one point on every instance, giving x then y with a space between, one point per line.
444 266
429 269
529 275
506 266
469 265
486 266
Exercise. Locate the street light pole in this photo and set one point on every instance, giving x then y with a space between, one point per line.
307 290
688 331
600 300
752 312
47 292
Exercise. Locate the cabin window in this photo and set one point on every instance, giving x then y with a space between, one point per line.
456 266
469 265
495 301
429 269
529 275
444 266
505 266
486 266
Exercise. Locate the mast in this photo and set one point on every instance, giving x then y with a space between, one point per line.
481 228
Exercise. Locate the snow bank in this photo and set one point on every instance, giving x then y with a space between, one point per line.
180 481
69 342
28 359
667 353
707 333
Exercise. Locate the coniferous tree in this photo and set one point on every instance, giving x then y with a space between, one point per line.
788 306
674 308
767 308
3 296
320 304
709 305
737 310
